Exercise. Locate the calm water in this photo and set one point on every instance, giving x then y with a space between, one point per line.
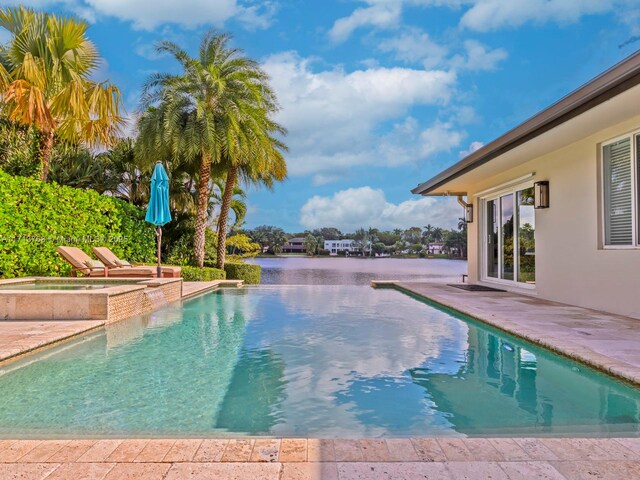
343 361
357 271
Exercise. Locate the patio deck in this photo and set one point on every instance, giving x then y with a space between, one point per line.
312 459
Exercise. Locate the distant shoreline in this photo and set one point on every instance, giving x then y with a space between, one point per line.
398 257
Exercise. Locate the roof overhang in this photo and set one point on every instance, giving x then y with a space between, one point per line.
614 94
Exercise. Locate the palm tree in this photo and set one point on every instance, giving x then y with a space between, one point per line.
238 201
249 150
310 244
45 82
216 115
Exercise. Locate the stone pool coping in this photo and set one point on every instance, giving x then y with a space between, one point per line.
311 459
604 341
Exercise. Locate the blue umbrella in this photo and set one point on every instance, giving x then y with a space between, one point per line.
158 209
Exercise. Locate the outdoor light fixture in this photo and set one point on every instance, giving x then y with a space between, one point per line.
541 194
468 213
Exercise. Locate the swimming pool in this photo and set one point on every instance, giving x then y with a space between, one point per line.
322 361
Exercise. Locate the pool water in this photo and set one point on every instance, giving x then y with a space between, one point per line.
323 361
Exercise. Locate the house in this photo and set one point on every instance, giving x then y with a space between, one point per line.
337 246
435 248
294 245
553 205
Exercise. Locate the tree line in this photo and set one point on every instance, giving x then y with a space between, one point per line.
211 125
419 241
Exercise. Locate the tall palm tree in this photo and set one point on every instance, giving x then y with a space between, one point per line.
45 82
215 113
238 201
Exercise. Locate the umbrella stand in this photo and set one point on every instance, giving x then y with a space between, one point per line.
159 235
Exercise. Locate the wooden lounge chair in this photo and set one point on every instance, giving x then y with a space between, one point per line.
114 264
84 264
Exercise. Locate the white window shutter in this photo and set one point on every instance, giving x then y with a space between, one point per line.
618 193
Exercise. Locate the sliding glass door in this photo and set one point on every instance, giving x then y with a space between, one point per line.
509 253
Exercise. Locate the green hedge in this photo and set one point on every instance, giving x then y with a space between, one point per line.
37 217
205 274
248 272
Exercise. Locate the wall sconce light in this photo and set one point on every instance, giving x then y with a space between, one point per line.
468 213
541 194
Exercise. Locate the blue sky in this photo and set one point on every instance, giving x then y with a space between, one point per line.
377 95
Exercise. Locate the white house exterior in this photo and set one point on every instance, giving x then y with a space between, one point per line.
335 246
435 248
584 249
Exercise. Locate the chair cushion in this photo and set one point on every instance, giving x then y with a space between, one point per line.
123 263
94 264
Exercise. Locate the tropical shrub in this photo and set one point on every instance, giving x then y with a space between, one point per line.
36 217
204 274
248 272
181 251
323 252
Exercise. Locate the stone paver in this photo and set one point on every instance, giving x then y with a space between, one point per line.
222 471
238 451
19 337
100 451
347 451
605 341
154 451
183 451
265 450
309 471
139 471
318 459
428 450
401 450
72 451
84 471
211 450
293 450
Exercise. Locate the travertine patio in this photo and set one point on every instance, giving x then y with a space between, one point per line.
298 459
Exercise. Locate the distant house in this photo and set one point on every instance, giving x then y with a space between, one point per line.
294 245
553 205
337 246
435 248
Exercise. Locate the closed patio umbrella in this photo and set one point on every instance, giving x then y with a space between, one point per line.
158 209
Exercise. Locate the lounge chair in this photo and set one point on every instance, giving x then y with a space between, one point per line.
114 264
84 264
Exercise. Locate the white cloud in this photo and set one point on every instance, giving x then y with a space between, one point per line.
414 45
486 15
363 207
478 57
187 13
333 115
378 14
473 146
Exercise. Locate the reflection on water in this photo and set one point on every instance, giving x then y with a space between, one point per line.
339 361
357 271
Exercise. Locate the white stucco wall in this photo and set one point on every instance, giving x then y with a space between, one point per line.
571 265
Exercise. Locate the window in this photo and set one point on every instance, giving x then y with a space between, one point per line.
619 192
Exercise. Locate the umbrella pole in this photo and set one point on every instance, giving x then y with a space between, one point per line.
159 235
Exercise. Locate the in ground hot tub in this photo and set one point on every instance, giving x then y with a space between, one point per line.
109 300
